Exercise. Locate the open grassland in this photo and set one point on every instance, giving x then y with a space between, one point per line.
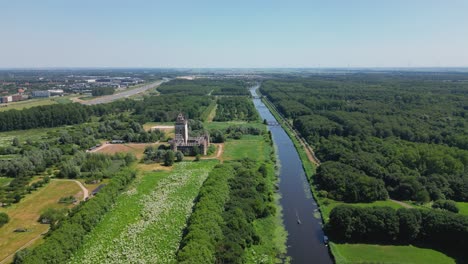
36 102
26 213
463 206
367 253
147 221
248 147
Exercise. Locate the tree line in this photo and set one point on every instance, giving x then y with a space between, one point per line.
221 226
386 225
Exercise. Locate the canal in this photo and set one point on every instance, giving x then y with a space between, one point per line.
300 212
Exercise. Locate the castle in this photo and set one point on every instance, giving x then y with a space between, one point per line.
187 145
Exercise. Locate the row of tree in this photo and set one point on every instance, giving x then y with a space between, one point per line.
221 226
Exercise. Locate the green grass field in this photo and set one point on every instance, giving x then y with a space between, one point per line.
26 213
366 253
463 206
146 223
248 147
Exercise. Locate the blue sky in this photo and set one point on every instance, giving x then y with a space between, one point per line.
198 33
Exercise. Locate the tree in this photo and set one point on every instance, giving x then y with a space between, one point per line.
15 142
179 156
4 218
169 158
448 205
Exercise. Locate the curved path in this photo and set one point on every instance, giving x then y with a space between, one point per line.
85 191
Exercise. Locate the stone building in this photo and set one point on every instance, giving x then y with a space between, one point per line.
187 145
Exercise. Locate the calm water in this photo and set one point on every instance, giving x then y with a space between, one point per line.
305 240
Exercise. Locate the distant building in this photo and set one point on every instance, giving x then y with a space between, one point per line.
40 94
56 92
187 145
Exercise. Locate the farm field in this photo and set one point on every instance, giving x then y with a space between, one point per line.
26 213
367 253
156 203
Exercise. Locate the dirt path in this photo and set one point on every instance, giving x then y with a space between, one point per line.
402 203
98 148
85 191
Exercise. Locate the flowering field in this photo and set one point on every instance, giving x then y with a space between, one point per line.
146 224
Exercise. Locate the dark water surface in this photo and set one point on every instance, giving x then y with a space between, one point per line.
305 240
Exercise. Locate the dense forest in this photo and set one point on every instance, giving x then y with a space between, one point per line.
204 87
235 108
150 109
404 137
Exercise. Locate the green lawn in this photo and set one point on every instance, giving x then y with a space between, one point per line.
366 253
248 147
463 206
146 223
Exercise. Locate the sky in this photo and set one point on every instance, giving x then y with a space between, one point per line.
233 34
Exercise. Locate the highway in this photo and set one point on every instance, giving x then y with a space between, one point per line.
124 94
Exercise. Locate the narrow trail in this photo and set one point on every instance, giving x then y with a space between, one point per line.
402 203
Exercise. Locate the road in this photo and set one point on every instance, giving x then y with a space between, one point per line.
124 94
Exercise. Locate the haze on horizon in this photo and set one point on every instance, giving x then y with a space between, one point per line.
238 34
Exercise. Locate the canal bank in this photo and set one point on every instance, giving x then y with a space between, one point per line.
301 216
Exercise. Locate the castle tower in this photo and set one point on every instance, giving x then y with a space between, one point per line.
181 127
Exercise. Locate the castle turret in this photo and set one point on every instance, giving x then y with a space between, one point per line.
181 127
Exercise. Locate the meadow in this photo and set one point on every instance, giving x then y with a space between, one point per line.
463 207
367 253
25 214
147 221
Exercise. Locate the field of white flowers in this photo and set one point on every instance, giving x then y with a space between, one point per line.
146 223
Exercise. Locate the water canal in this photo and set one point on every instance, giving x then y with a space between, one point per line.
305 235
